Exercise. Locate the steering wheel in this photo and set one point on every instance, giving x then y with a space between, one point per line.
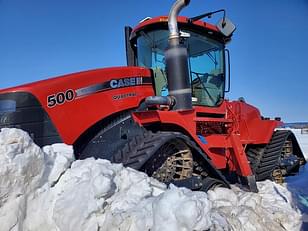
201 76
200 80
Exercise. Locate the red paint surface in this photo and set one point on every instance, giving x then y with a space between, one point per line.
73 118
243 125
180 19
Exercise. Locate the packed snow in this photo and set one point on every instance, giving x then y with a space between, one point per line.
46 189
302 140
298 185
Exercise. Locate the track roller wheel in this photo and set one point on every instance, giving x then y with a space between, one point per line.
171 162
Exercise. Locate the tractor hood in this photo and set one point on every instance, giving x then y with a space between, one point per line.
79 79
81 99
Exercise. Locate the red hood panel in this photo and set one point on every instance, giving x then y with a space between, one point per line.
80 79
77 101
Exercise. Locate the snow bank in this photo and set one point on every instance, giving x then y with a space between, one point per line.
302 140
47 190
298 184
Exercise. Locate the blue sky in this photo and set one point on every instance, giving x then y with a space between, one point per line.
269 50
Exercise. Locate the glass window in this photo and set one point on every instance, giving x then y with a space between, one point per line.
206 64
150 53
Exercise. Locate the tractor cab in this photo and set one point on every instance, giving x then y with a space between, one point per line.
207 60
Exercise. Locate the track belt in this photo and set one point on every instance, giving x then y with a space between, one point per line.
272 158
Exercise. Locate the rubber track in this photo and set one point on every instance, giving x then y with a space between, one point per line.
141 148
264 160
138 150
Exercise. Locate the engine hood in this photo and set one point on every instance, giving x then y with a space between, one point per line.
77 101
80 79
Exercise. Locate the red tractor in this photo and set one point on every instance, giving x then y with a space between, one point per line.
164 114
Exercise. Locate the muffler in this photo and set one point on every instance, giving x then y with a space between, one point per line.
176 57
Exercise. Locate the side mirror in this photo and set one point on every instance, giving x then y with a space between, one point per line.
227 69
226 27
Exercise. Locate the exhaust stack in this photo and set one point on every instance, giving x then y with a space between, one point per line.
176 57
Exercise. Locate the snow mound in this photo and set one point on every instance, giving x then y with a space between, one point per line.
47 190
302 140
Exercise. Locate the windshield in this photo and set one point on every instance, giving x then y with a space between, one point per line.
206 64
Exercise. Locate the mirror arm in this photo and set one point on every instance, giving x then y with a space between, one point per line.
209 14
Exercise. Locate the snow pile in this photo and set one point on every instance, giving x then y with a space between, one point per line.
302 140
47 190
298 185
21 170
270 209
24 168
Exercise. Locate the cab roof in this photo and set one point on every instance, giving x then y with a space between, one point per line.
162 22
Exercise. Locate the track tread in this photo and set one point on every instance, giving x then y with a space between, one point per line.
136 150
264 161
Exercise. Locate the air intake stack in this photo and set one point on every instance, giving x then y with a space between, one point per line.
176 57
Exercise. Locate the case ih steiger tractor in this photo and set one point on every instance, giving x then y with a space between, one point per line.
164 114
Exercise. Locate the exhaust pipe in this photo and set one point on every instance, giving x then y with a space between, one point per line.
176 57
159 100
174 35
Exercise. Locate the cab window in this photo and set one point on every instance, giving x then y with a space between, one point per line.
206 64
